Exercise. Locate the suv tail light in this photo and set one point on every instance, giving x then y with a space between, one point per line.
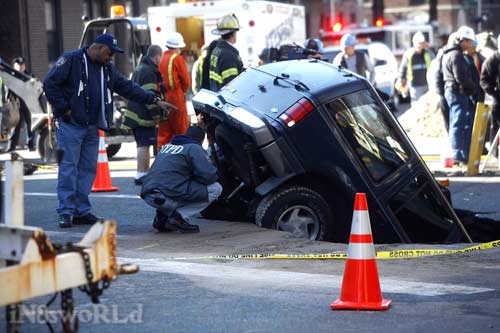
298 111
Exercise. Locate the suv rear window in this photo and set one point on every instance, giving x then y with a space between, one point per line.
367 129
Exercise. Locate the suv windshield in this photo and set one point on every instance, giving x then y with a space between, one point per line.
366 129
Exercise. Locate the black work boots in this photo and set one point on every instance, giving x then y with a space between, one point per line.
173 223
67 221
88 218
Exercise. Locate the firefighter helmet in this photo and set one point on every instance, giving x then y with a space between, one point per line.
226 25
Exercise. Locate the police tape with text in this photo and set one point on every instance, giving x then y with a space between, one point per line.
394 254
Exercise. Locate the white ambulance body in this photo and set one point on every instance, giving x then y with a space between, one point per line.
263 24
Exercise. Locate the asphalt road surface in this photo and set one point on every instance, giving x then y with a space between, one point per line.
179 290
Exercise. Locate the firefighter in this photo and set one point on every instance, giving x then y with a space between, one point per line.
177 82
223 60
196 71
142 118
414 65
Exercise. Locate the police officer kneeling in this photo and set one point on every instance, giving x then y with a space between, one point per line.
181 182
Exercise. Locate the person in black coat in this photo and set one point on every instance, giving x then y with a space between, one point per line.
19 64
490 82
460 89
143 118
181 182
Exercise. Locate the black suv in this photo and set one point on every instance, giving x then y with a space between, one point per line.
295 140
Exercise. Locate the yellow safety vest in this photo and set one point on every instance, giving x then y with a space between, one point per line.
409 70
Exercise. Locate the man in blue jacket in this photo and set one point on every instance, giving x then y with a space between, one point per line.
181 182
80 87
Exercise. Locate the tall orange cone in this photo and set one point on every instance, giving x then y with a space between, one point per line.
102 182
360 286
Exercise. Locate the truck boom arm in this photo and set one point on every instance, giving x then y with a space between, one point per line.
26 87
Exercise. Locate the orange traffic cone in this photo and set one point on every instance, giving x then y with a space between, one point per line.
102 182
360 286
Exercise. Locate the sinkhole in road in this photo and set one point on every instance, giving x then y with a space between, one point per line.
481 229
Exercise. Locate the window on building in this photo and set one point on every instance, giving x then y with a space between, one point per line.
418 2
52 22
92 9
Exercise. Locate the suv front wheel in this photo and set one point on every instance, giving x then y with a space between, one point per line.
296 209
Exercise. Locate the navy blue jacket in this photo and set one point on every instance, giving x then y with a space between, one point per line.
181 171
66 89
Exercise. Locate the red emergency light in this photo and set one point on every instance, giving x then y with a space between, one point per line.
379 22
337 27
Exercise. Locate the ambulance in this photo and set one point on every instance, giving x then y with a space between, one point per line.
264 24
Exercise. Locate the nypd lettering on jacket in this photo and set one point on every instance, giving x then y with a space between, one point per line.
171 149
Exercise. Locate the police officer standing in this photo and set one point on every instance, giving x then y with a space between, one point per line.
355 61
79 87
414 65
223 62
459 89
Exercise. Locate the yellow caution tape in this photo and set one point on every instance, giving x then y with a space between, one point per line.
44 166
394 254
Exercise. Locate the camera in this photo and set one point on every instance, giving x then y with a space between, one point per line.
289 51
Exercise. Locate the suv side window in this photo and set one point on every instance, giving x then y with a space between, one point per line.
366 127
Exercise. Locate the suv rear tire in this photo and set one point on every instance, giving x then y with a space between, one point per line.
296 209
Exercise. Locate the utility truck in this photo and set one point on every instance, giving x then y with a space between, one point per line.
30 90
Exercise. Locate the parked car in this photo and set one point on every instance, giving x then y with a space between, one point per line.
295 140
385 63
